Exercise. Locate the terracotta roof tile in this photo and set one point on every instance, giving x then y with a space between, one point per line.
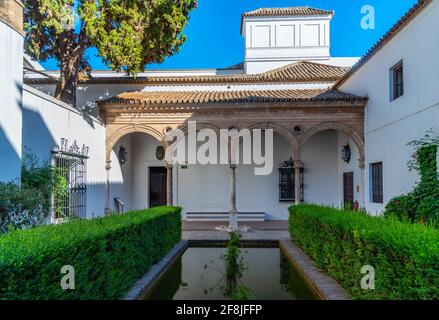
202 97
308 71
302 71
289 11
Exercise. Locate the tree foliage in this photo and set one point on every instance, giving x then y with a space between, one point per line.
128 34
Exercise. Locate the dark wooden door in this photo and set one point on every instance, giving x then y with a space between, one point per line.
348 187
157 186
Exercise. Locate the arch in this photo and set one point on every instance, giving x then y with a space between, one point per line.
185 130
350 132
292 140
121 132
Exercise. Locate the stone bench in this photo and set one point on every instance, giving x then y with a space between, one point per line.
224 216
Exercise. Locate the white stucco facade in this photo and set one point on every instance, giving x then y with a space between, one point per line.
272 42
390 125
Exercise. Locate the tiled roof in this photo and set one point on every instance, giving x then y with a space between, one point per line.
290 11
301 71
307 71
401 24
202 97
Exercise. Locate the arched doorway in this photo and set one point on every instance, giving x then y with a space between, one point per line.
137 174
333 159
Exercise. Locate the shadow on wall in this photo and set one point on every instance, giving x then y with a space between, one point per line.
39 140
36 136
10 161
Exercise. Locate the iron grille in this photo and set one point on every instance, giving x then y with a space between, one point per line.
70 195
287 184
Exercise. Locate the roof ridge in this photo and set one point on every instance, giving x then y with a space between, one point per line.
287 66
291 10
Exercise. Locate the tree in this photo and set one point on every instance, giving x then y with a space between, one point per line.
128 34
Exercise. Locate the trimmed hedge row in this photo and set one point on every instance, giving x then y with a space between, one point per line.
405 256
108 255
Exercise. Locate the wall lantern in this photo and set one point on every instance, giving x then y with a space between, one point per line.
346 153
122 155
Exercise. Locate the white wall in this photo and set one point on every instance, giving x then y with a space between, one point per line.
122 175
11 79
320 159
47 120
389 125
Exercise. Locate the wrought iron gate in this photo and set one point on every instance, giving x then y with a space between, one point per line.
70 194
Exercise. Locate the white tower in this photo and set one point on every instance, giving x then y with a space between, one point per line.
275 37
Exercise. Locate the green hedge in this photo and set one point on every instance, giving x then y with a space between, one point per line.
108 254
405 256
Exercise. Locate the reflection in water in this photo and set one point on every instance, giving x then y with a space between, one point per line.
199 274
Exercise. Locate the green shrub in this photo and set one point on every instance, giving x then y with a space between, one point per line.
37 176
20 208
405 256
108 255
402 207
422 204
26 204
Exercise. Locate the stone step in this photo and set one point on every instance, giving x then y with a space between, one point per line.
224 216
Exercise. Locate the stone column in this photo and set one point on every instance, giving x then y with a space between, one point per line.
233 212
107 187
362 186
298 165
169 195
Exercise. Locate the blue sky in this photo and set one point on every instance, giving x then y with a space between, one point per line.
214 39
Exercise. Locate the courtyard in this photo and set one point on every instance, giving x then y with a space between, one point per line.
303 165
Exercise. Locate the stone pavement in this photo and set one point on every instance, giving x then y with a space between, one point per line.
261 230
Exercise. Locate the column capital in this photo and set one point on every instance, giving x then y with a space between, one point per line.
361 163
108 165
298 163
169 165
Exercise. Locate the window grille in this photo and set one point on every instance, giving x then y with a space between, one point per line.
70 194
287 184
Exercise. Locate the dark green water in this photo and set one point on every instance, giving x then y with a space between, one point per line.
199 274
